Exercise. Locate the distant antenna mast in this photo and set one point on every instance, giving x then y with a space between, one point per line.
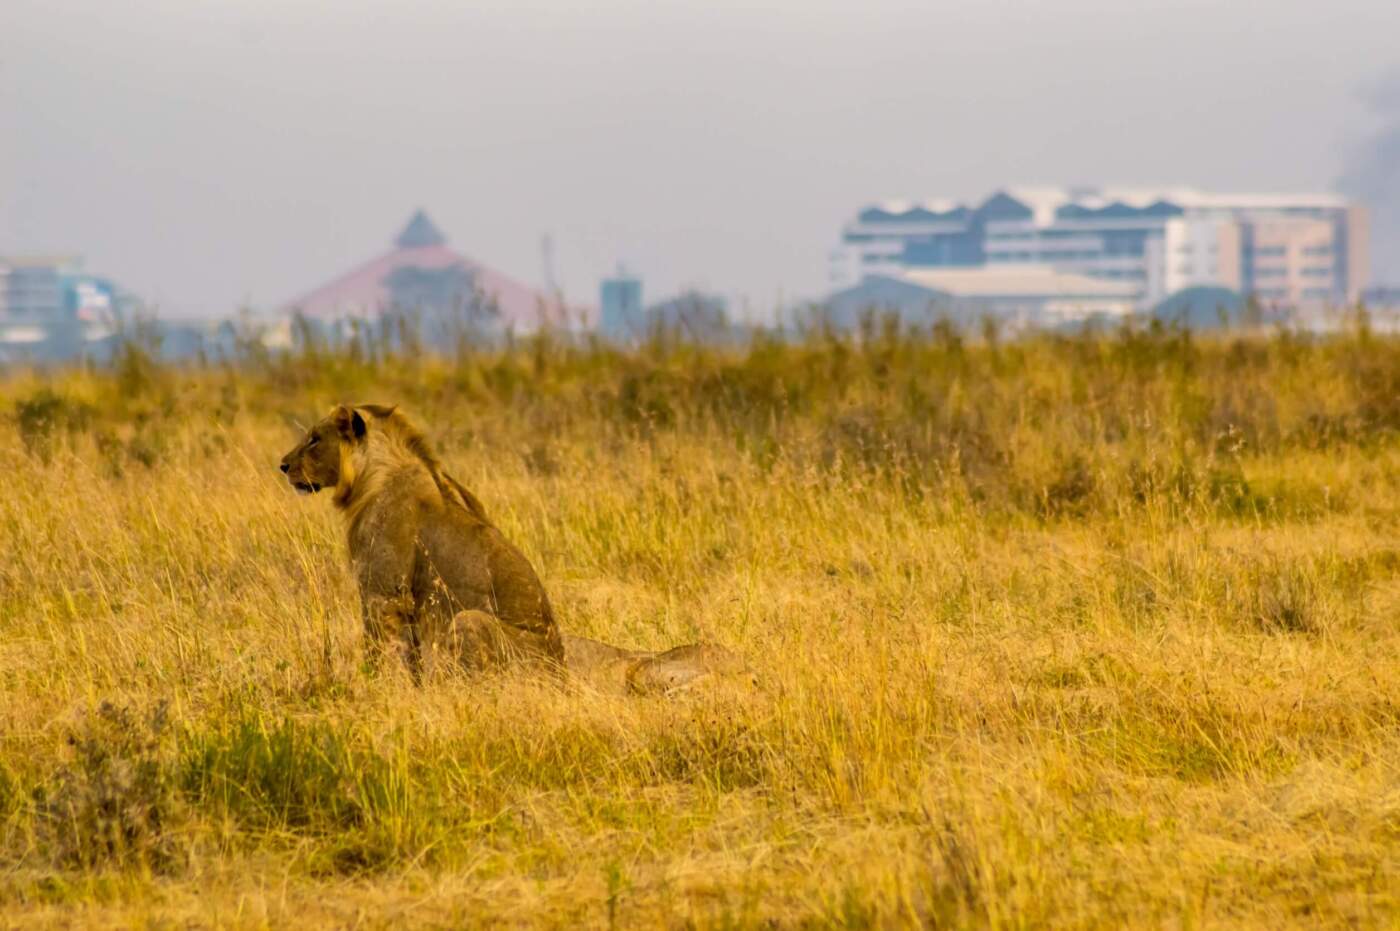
551 282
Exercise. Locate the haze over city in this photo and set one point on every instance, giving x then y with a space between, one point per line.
216 156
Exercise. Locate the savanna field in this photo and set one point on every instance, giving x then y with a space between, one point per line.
1099 631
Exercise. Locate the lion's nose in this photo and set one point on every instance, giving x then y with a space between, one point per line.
285 467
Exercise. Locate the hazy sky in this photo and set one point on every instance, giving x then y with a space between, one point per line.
213 153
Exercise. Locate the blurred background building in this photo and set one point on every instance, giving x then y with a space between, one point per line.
1018 297
51 309
422 275
1293 250
698 314
620 311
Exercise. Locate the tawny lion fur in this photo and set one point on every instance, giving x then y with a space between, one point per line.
439 584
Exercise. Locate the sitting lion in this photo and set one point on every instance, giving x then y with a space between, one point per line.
438 582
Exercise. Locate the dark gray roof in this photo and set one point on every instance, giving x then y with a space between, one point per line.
419 232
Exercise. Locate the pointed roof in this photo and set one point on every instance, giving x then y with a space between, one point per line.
420 232
364 291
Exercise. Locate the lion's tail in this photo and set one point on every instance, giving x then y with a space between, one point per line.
667 672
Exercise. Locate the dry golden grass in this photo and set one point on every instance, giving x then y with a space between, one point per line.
1088 633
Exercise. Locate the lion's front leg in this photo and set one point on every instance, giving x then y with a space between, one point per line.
391 630
384 556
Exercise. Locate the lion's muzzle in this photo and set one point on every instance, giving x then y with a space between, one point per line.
302 485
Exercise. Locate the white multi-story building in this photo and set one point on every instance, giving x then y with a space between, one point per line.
1283 249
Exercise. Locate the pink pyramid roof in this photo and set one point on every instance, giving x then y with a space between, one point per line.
363 291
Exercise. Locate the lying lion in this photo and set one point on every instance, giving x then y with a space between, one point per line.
439 584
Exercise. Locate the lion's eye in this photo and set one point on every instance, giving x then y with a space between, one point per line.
313 441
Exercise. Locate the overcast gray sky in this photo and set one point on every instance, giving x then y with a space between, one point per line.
210 154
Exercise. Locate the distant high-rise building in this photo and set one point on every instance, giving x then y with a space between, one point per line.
1286 249
620 305
51 309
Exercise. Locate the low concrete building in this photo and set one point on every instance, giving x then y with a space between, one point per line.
1019 297
700 314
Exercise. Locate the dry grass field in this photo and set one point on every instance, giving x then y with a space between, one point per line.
1089 632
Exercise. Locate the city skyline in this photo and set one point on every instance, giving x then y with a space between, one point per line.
213 157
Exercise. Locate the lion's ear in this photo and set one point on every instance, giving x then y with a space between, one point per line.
348 422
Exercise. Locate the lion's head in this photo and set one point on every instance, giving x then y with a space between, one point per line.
318 461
